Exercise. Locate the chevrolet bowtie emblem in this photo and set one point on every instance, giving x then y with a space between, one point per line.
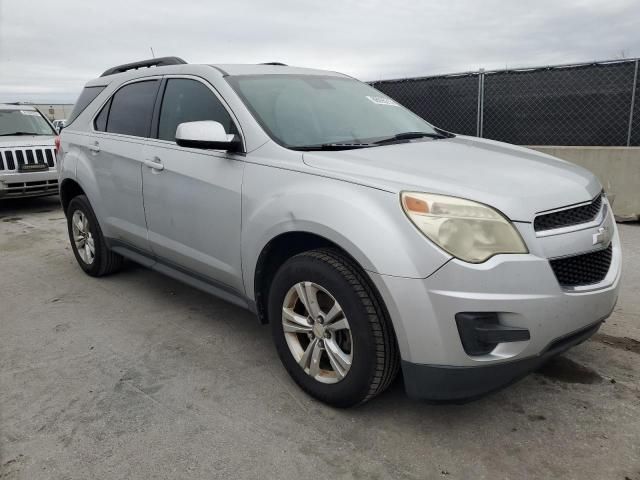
602 237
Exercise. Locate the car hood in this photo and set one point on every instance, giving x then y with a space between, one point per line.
27 141
517 181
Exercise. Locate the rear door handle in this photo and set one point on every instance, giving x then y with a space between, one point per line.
95 148
155 164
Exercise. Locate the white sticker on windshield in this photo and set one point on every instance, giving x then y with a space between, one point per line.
382 101
30 112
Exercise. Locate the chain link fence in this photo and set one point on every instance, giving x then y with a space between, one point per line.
595 104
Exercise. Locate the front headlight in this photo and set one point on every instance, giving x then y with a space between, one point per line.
468 230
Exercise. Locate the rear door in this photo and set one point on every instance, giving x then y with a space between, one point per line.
121 129
192 199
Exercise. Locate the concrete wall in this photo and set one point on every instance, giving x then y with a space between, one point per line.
618 169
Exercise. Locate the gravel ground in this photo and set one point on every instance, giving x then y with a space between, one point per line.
138 376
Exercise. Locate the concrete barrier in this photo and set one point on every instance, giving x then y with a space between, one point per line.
618 169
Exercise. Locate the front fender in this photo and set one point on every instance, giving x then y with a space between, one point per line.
367 223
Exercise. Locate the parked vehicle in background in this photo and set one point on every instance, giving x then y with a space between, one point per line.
27 153
369 239
59 124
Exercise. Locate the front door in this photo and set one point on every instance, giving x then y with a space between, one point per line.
192 197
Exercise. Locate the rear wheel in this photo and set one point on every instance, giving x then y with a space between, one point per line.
87 241
330 330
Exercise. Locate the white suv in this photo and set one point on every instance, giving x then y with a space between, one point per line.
27 153
369 239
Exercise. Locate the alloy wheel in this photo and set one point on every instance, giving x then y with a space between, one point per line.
317 332
82 237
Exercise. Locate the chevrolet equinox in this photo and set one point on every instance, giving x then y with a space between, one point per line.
369 240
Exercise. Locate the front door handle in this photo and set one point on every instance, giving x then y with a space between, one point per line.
155 164
95 148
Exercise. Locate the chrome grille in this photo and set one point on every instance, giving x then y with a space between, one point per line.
568 217
11 159
585 269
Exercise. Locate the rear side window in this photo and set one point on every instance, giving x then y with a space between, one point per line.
87 96
190 101
132 108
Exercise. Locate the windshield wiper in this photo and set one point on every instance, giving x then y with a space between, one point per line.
333 146
17 134
411 136
353 145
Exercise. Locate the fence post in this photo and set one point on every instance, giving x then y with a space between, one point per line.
633 103
480 119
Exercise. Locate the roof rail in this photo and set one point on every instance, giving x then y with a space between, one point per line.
152 62
279 64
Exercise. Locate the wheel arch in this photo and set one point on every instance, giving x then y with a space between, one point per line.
69 189
278 250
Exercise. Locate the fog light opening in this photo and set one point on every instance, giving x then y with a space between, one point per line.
481 332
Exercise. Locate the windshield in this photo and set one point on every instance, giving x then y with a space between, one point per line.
23 122
309 110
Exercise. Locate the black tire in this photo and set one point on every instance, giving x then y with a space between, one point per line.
375 359
105 261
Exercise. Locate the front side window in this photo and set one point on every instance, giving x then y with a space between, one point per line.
23 122
189 101
132 108
309 110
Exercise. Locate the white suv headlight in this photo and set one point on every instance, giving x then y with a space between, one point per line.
468 230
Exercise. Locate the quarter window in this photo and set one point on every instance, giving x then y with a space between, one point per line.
100 122
190 101
132 108
87 96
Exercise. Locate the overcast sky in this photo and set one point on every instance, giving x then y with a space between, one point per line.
49 49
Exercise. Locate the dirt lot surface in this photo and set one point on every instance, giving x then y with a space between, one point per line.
138 376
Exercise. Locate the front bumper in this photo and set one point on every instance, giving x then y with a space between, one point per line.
29 184
431 382
524 293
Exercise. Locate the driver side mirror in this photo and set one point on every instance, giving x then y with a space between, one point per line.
206 134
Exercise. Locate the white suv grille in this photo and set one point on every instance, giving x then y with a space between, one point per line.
11 158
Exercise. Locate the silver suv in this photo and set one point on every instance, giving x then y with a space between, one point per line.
369 240
27 153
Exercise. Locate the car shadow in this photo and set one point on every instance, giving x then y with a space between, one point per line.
13 207
556 375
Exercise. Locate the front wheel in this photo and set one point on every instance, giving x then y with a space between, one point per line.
330 330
